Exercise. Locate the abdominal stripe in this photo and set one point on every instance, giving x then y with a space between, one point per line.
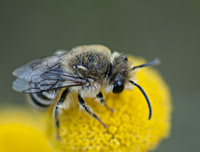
39 100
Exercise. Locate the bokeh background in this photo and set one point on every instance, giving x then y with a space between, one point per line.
168 29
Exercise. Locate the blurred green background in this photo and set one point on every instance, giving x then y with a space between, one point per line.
169 30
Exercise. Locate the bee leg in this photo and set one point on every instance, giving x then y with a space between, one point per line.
103 102
89 110
56 112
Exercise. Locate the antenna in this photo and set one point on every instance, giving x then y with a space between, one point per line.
146 97
152 63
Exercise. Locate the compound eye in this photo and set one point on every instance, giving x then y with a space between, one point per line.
118 87
125 58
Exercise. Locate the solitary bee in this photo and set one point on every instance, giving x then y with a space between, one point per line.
86 70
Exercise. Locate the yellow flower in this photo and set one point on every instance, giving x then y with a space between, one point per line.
128 127
21 132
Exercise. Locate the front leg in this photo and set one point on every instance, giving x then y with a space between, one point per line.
89 110
103 102
56 112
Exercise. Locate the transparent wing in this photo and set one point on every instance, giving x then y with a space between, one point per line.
43 75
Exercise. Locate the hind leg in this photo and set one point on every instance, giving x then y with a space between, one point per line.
56 112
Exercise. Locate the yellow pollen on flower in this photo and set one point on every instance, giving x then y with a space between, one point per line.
129 129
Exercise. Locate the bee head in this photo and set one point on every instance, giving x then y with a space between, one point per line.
119 72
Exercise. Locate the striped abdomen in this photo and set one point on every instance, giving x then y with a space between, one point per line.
42 100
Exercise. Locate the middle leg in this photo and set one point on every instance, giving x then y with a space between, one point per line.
89 110
103 102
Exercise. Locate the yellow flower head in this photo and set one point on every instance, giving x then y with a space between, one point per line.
21 132
128 126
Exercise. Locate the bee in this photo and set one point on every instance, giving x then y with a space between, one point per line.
85 70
